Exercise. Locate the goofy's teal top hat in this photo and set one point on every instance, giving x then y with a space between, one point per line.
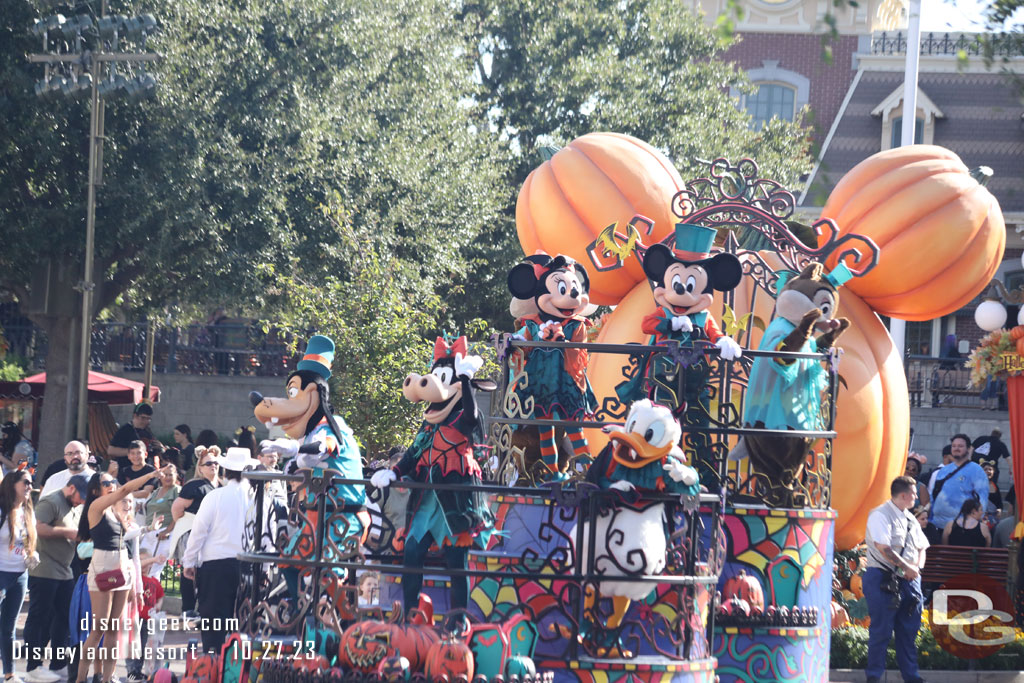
693 242
318 357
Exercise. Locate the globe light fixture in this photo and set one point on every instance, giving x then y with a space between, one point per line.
990 315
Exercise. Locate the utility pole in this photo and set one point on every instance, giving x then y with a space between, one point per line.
897 327
81 55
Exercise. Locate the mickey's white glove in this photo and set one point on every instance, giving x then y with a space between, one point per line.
466 366
680 471
730 349
622 485
682 323
382 478
285 448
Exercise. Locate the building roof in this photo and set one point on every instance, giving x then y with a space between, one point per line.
983 124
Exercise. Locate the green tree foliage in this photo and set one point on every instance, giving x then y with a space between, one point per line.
212 190
549 72
415 122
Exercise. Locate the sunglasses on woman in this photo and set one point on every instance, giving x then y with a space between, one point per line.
107 482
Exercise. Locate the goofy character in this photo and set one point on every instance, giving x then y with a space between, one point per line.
317 439
442 453
683 281
551 293
630 537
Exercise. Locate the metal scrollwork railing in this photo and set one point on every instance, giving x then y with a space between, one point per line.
557 545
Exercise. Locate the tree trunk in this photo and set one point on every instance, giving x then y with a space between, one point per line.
56 424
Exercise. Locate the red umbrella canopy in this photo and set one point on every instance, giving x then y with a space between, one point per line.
103 389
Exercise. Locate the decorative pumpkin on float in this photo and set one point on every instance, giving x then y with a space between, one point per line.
941 233
594 181
747 587
450 657
366 644
873 414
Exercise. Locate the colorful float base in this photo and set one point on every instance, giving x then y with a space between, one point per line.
638 670
776 562
785 557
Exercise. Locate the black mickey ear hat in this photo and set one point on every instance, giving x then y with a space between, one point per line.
526 280
724 270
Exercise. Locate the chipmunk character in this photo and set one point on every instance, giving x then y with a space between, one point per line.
549 296
442 453
630 537
786 393
684 279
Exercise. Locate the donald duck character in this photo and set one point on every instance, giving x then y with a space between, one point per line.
630 538
316 438
442 453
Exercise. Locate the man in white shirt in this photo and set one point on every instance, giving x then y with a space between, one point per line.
218 536
75 454
892 582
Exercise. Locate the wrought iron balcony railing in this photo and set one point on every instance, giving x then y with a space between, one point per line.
951 44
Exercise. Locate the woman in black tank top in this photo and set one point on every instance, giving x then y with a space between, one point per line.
101 525
968 528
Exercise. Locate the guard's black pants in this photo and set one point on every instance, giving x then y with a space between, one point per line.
217 584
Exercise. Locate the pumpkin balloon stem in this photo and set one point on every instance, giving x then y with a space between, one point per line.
982 174
547 152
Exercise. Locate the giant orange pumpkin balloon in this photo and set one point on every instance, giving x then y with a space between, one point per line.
940 232
596 180
873 414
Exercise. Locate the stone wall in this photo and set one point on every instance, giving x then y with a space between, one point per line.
933 428
216 402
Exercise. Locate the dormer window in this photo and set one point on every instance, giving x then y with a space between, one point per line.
891 111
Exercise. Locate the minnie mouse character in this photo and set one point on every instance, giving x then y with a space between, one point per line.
550 295
683 281
442 452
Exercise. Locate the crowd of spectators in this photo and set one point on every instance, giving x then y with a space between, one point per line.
90 549
960 502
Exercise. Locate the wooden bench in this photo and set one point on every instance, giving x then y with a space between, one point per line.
943 562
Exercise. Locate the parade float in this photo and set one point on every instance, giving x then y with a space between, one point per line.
689 539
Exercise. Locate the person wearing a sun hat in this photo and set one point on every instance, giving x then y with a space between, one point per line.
217 538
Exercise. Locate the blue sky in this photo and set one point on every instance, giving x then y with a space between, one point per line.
962 15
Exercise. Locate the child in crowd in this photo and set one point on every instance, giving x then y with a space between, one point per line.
152 602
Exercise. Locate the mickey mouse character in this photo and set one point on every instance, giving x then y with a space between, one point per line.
442 453
550 295
684 279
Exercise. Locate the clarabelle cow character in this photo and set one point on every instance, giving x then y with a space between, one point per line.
684 279
630 537
442 453
317 439
550 295
785 393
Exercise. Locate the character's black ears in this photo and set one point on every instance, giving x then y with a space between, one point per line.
523 281
656 261
724 270
484 384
